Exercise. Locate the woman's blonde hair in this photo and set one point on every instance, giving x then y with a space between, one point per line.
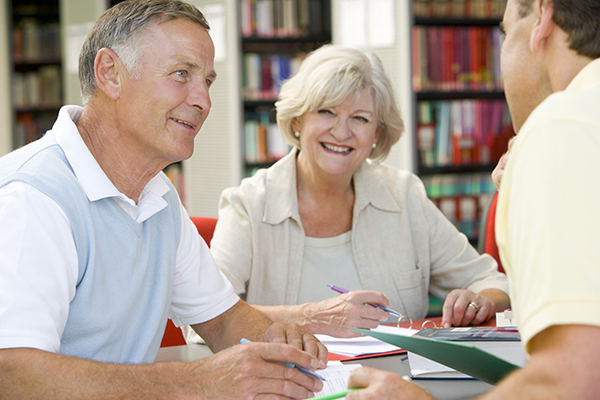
326 78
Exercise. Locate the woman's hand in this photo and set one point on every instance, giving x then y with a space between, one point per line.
464 307
498 172
335 316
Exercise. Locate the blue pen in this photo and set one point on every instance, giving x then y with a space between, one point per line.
298 367
342 290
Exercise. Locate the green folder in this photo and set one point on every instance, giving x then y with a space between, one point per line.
462 357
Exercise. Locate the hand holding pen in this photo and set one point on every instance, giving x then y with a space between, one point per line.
389 310
298 367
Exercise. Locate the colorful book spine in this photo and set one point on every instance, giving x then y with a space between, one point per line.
263 142
462 132
263 74
459 8
451 58
282 18
462 198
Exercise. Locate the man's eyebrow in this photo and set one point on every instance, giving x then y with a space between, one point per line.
192 65
188 64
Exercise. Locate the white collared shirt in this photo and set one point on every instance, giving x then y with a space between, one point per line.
38 254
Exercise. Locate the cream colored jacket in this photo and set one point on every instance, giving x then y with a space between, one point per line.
403 245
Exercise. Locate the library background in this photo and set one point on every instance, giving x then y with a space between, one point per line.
442 55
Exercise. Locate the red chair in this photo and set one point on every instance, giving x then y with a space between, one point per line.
487 240
206 227
173 335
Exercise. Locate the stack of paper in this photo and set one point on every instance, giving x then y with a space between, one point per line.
336 375
364 345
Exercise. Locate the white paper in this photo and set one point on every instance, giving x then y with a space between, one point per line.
363 345
337 375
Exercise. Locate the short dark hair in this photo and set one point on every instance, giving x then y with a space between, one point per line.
580 19
118 29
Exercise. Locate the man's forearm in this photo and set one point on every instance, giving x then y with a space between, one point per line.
240 321
36 374
284 314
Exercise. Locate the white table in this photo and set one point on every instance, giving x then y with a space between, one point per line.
446 389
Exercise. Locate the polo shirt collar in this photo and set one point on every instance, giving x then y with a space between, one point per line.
90 175
371 188
587 78
281 199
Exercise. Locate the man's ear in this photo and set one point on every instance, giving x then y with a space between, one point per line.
108 69
543 26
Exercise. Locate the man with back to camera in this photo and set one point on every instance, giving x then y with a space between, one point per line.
547 217
97 249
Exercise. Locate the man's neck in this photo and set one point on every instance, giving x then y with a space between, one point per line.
563 63
129 171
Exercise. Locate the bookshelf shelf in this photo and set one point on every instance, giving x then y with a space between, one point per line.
457 169
456 21
286 39
38 109
449 95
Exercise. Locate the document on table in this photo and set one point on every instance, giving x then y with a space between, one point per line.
337 375
363 345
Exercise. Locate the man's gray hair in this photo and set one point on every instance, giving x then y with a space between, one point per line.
119 29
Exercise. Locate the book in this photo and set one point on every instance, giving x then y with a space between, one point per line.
468 357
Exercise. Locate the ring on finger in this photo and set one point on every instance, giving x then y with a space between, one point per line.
474 305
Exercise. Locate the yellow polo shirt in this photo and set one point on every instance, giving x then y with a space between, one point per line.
548 215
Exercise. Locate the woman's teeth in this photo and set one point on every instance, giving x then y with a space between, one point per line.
337 149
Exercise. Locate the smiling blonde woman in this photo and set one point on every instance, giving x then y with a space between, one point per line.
331 213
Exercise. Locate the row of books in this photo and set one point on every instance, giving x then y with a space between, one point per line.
30 127
462 198
262 138
284 18
34 42
462 132
450 58
263 74
459 8
41 88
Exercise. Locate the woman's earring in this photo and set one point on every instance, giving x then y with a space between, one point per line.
374 145
297 134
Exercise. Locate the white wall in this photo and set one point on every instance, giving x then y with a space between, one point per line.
5 101
216 163
75 14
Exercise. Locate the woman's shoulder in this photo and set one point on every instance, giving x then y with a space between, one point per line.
276 178
393 176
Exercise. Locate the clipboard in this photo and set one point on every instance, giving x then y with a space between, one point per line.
462 357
